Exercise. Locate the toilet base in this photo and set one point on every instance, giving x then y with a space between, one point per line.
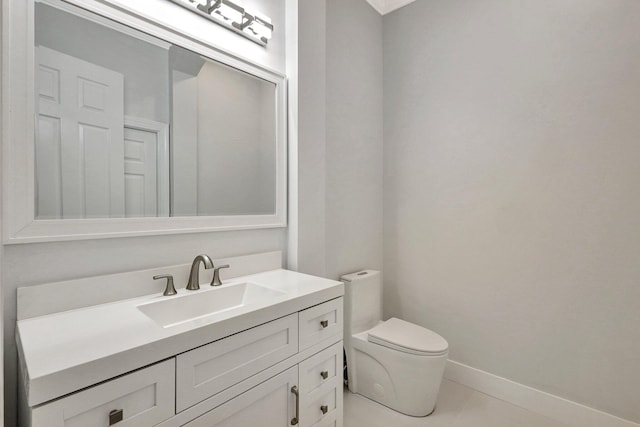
406 383
378 403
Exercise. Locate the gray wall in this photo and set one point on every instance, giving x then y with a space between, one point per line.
224 139
236 143
308 77
338 215
512 194
354 138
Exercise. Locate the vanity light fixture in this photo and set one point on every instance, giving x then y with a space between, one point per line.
227 11
196 2
253 25
257 25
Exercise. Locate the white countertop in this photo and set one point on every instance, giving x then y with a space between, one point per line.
64 352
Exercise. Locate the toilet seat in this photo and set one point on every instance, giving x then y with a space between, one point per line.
408 338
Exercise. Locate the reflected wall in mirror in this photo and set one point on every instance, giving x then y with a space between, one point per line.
128 125
224 130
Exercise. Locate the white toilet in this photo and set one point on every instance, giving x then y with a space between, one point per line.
392 362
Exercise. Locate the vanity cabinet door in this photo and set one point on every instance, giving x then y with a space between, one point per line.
140 399
321 388
269 404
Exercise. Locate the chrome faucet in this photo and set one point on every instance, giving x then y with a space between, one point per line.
194 277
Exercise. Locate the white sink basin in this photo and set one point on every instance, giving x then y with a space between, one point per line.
173 311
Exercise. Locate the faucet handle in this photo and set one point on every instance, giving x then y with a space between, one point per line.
216 275
169 289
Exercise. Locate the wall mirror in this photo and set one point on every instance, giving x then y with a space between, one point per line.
143 132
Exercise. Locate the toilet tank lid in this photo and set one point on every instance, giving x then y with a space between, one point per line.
358 275
404 336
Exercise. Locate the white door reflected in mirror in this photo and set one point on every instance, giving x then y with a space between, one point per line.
79 138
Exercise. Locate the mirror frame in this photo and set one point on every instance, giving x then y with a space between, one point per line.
18 130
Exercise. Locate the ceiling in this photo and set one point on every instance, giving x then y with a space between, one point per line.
386 6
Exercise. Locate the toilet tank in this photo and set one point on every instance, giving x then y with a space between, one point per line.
362 301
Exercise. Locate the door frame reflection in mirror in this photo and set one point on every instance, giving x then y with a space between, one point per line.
18 133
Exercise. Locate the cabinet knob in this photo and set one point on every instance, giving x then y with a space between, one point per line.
324 409
324 374
324 323
115 416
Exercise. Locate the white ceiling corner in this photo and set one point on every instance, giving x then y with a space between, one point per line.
385 6
378 5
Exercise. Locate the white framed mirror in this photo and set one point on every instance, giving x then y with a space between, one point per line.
130 128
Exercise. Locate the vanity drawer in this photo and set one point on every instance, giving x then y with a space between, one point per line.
145 397
207 370
333 419
323 406
320 322
319 392
321 368
268 404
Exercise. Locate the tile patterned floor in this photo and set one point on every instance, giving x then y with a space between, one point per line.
458 406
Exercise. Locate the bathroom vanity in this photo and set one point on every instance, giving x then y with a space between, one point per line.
268 353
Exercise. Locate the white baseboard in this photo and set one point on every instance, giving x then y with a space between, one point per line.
554 407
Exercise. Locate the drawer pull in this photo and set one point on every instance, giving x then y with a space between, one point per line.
115 416
294 390
324 323
324 374
324 409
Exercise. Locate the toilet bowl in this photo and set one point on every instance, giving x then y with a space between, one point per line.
395 363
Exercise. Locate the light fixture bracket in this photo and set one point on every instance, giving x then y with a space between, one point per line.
227 13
